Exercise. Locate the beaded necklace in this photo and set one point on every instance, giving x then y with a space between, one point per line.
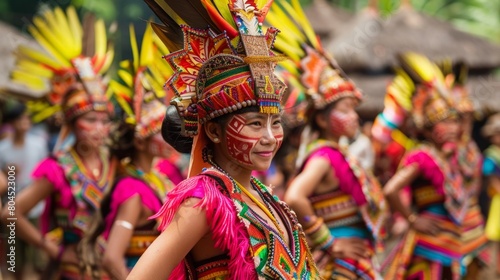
252 197
261 206
274 259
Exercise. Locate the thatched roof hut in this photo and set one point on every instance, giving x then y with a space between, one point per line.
11 38
484 92
327 20
371 44
367 45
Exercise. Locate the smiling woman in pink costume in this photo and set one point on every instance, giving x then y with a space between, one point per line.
221 223
340 205
73 180
122 226
435 246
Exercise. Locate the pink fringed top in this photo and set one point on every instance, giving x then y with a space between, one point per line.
233 224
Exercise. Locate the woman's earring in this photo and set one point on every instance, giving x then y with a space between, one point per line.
216 140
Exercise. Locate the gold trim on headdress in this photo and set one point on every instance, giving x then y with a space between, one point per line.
68 65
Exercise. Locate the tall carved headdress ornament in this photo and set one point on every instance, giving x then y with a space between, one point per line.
222 68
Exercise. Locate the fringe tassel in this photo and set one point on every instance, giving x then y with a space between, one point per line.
228 232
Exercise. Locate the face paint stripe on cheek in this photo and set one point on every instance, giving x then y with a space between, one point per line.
239 145
341 123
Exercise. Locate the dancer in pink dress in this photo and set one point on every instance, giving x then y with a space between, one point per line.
122 226
74 179
222 223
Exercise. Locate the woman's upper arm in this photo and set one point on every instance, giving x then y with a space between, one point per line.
119 236
306 182
188 226
403 177
31 195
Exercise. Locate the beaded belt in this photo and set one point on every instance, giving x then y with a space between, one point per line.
337 209
139 242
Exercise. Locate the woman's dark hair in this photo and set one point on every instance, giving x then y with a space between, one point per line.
172 124
122 144
315 112
171 131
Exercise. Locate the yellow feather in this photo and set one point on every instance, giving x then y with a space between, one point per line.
28 80
126 76
55 27
279 19
50 20
162 49
159 93
76 28
39 57
123 104
34 68
124 63
37 105
50 37
60 59
223 8
161 76
100 40
294 54
65 31
304 22
109 59
109 93
46 113
402 139
133 44
422 66
147 46
164 68
120 89
290 67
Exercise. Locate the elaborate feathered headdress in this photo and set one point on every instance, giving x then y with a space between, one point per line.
74 61
419 89
456 75
219 69
223 68
320 75
140 91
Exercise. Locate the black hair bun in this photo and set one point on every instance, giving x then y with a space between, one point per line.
171 131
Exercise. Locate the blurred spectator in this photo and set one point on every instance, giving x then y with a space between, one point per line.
23 150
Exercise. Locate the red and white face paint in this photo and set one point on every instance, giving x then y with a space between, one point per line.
253 138
92 128
343 124
158 147
445 131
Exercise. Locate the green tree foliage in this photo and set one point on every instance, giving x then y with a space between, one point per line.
480 17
